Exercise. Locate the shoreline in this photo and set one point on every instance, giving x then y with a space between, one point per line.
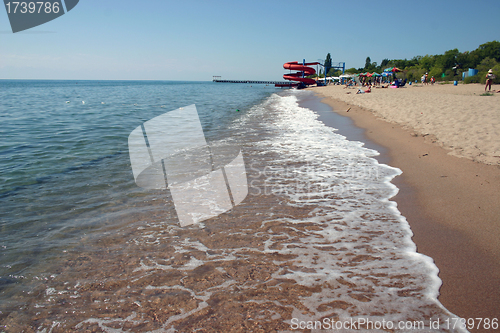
451 204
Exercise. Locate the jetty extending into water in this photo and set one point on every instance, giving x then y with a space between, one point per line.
253 82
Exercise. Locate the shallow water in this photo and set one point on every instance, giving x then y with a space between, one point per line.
316 239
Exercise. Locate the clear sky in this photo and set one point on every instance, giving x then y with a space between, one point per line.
195 40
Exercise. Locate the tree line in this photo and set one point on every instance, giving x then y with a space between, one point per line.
444 67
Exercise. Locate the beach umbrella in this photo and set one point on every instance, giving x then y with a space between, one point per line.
375 74
392 69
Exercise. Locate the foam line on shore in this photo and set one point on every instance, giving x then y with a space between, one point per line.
451 203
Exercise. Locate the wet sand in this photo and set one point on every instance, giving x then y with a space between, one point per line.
451 203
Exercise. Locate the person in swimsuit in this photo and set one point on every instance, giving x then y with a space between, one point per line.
489 79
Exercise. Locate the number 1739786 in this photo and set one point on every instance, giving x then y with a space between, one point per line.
32 7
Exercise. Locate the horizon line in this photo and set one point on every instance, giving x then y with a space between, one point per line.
107 80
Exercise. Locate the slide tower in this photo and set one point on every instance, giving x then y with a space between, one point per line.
303 71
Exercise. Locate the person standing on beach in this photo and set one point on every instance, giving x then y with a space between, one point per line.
489 79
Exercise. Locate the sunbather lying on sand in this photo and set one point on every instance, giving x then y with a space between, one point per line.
366 91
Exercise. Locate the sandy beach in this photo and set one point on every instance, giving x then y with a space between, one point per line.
446 140
457 117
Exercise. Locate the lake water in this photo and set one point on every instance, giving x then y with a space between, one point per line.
316 242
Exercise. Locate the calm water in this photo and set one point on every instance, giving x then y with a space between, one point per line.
83 247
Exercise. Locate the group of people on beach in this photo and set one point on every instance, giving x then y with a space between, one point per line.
367 81
425 79
399 83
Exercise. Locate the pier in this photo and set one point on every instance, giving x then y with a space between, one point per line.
253 82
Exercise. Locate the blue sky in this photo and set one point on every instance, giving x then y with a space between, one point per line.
195 40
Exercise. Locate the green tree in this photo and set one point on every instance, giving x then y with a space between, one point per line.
436 72
475 58
452 63
413 62
399 63
328 61
448 59
426 62
465 60
483 68
486 64
413 73
368 63
490 50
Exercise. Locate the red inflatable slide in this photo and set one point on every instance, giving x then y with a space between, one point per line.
304 71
